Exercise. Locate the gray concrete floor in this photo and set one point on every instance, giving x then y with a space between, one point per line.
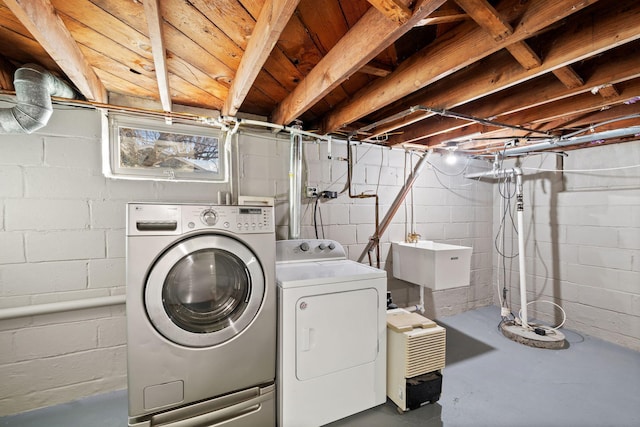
489 381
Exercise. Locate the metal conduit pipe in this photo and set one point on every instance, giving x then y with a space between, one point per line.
560 142
34 88
295 184
380 229
517 172
59 307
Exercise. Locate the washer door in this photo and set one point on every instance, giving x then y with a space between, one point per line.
204 291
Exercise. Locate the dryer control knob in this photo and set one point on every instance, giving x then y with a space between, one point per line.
209 217
322 246
304 246
332 246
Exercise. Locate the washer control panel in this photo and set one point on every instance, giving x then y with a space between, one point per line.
147 218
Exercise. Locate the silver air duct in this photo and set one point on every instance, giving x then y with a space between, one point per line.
34 88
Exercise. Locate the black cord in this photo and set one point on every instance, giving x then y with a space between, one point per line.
315 212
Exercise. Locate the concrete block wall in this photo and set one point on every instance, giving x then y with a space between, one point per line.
582 233
62 238
446 209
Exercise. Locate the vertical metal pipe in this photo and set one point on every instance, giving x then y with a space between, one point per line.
295 183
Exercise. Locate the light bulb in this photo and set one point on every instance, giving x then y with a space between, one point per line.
451 159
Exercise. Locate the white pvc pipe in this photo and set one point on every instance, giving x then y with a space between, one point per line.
521 257
498 173
58 307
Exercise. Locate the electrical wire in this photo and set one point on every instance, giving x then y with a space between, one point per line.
549 328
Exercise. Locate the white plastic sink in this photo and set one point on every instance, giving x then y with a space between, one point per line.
432 265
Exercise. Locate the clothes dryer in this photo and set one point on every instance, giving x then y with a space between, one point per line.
331 333
201 315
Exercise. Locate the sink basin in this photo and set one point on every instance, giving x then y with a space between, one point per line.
432 265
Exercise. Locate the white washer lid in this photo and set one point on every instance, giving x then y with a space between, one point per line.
292 275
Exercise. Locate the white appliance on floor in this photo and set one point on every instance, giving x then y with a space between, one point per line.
201 315
331 333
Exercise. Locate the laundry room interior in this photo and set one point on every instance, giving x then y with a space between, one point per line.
496 217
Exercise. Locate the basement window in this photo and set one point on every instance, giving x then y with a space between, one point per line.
141 147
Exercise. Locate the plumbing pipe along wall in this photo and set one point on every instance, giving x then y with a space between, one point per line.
517 172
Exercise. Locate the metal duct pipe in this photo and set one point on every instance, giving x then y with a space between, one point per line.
295 184
34 88
557 143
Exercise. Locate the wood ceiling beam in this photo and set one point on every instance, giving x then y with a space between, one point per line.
154 24
487 17
369 36
42 21
501 73
271 22
585 102
396 10
444 57
609 91
568 76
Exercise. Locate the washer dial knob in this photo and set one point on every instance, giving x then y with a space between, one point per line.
209 217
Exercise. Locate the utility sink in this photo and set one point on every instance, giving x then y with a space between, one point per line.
432 265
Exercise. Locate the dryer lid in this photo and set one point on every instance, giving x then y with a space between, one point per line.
291 275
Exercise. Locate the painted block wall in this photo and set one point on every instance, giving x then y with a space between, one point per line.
62 238
446 209
582 233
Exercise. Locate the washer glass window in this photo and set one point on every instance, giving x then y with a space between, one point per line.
206 291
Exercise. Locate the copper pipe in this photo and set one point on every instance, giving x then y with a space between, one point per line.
374 240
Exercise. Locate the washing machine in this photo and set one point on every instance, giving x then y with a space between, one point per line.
201 315
331 333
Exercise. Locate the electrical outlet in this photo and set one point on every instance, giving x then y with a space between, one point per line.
312 192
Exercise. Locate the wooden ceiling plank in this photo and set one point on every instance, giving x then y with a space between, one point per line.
6 74
141 65
608 91
154 24
42 21
371 34
396 10
443 17
230 17
24 48
568 76
444 57
487 17
375 69
525 56
273 17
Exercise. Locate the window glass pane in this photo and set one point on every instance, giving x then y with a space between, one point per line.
141 148
206 291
